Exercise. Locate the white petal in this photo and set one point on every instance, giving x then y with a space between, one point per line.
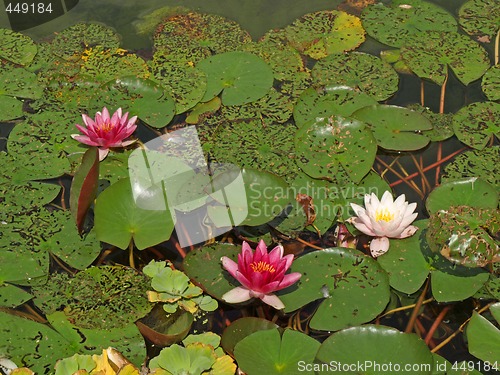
387 199
273 300
410 231
237 295
379 246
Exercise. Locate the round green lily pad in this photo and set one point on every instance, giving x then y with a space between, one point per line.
480 18
473 192
441 123
140 97
491 83
19 82
327 101
449 285
374 345
119 220
16 47
13 296
477 123
241 328
354 289
99 297
429 54
395 128
322 33
10 108
483 339
242 77
328 145
362 71
277 353
392 25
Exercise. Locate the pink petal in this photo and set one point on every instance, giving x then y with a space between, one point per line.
379 246
237 295
289 279
273 300
230 265
276 254
84 139
105 115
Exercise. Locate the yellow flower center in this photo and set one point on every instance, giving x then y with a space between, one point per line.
262 267
106 127
384 214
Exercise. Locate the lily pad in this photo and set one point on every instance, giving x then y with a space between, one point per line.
241 76
41 142
491 83
441 123
241 328
264 197
277 354
13 296
394 24
354 288
194 36
483 339
118 219
247 143
405 263
429 55
142 97
395 128
480 18
16 47
395 350
328 145
187 83
473 192
19 82
362 71
71 43
449 285
477 123
466 235
10 108
328 101
322 33
99 297
475 163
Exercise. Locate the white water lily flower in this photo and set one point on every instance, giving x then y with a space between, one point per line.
384 219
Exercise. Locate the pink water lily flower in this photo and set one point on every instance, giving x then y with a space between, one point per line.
384 219
260 274
106 132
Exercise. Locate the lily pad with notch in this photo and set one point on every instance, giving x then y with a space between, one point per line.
480 18
430 54
242 77
395 128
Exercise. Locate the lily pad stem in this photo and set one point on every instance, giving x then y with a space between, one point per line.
131 254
